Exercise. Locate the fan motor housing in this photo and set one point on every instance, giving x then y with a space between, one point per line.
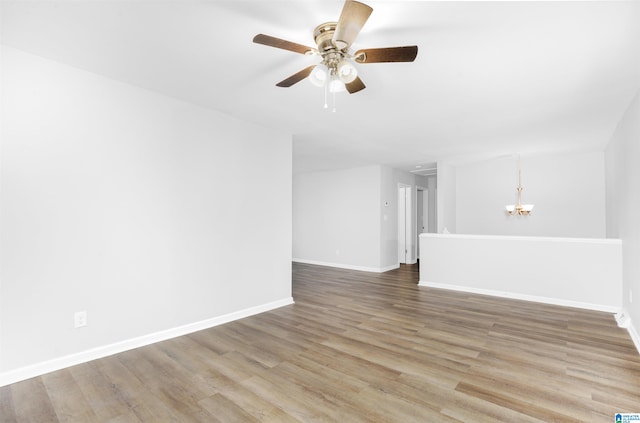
323 36
331 54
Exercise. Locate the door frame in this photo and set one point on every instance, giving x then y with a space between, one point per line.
405 223
425 216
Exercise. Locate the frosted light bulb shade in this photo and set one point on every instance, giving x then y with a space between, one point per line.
527 207
347 72
510 208
336 86
319 75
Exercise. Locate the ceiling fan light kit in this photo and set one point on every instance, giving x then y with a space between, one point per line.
337 71
319 75
347 71
337 86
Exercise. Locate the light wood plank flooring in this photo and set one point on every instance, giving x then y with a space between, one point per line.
359 347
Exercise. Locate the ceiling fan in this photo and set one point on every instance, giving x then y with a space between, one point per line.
334 39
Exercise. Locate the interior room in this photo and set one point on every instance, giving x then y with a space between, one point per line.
168 167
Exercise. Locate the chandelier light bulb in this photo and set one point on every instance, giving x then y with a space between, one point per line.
319 75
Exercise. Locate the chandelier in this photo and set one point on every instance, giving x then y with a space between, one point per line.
519 209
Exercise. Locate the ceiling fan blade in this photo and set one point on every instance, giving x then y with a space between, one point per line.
355 86
296 77
270 41
388 54
352 19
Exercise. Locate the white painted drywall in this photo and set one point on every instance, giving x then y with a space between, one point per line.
336 217
446 198
132 206
576 272
623 203
432 186
389 218
349 218
567 191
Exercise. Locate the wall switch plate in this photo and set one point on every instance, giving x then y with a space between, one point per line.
79 319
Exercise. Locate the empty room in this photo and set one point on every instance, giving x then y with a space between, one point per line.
305 211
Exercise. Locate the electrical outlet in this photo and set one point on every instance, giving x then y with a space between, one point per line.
79 319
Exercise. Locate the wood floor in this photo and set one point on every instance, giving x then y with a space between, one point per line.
359 347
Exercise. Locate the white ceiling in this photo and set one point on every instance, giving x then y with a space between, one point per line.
490 79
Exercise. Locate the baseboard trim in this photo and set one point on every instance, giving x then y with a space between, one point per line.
524 297
39 369
624 321
389 268
348 266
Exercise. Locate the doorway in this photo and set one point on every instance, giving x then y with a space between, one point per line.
405 232
422 215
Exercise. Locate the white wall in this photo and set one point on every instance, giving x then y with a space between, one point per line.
575 272
349 218
446 198
567 191
432 185
623 203
336 217
389 218
132 206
